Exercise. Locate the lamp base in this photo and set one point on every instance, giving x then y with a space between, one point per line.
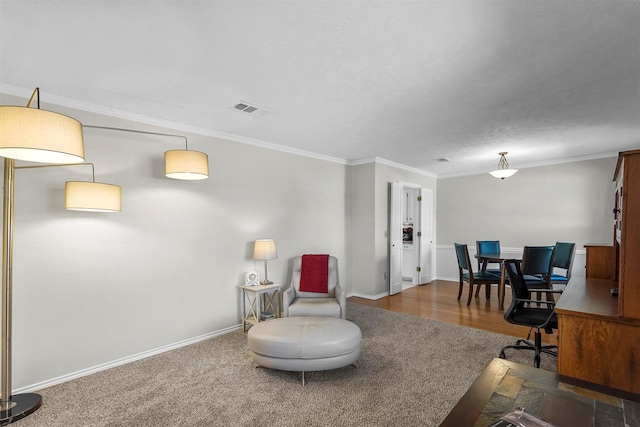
23 405
266 282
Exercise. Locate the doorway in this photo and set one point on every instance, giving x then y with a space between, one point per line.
410 236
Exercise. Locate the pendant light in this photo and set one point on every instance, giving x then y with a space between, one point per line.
503 170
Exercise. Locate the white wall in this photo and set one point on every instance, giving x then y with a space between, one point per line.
569 202
93 288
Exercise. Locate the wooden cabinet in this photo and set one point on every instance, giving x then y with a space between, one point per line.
627 233
600 262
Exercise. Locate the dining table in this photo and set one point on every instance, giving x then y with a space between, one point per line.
498 258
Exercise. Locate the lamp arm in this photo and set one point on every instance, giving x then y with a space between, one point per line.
34 96
144 132
93 170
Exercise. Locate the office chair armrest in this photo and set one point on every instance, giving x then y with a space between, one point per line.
551 303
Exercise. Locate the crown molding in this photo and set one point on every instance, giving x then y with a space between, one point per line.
140 118
380 160
22 92
536 164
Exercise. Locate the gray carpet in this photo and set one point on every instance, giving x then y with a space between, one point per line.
412 371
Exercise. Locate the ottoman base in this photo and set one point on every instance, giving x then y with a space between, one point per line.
302 344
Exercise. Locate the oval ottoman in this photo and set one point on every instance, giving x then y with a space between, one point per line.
304 343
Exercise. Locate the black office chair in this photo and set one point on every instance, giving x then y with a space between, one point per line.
521 312
467 275
537 267
563 259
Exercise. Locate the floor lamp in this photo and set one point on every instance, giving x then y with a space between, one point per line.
34 135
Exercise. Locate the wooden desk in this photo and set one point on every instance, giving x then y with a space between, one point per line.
594 343
498 258
504 386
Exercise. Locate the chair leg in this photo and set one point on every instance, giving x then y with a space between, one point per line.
550 297
487 291
460 290
536 346
470 294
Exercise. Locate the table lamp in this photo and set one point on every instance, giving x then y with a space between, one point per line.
265 249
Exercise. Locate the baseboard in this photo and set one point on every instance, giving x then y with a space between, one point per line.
372 297
123 361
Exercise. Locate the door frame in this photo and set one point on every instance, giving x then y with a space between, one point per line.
394 253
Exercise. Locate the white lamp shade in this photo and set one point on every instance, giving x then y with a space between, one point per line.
41 136
265 249
92 196
503 173
186 164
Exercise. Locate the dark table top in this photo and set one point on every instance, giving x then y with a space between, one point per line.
504 386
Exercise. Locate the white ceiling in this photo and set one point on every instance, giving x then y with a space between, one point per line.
405 81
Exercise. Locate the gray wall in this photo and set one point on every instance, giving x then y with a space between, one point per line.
369 224
570 202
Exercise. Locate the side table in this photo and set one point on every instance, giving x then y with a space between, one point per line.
259 302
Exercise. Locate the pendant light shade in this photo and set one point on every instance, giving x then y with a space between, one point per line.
92 196
503 170
186 164
41 136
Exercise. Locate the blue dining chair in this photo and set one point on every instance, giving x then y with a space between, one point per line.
467 274
563 259
488 247
537 267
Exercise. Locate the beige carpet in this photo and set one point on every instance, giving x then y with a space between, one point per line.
412 371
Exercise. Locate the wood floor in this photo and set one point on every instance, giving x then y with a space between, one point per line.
438 300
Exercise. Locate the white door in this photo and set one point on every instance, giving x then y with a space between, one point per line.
395 238
425 236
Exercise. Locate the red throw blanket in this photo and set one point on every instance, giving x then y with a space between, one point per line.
314 276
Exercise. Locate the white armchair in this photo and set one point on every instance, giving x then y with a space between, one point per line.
333 303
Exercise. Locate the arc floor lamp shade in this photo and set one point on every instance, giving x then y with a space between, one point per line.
92 196
186 164
41 136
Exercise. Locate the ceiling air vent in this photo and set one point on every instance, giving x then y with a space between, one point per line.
443 160
246 107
